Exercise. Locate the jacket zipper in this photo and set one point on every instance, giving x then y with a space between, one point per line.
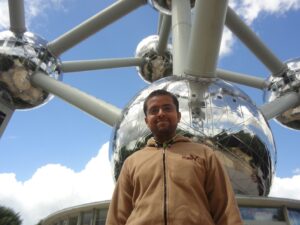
165 186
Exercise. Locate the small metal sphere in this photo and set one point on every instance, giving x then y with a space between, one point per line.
279 86
165 6
216 113
155 66
20 57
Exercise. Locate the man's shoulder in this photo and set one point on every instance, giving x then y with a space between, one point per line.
197 147
139 152
199 144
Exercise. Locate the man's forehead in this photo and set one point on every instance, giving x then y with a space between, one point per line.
161 98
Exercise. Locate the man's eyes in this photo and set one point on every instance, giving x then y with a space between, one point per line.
165 108
153 111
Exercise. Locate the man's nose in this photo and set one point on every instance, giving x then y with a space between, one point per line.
161 111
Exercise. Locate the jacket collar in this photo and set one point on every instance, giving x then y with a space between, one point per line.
177 138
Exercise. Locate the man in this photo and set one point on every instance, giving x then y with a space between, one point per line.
172 180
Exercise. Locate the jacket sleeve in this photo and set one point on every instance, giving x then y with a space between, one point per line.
223 205
121 204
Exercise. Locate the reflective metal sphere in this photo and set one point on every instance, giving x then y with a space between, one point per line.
278 86
20 57
165 6
215 113
155 66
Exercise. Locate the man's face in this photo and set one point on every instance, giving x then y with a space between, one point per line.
162 117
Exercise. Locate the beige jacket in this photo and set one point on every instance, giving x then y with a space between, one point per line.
183 184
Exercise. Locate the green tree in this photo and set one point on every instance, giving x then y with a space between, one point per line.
9 217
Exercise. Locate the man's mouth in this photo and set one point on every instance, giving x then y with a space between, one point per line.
162 122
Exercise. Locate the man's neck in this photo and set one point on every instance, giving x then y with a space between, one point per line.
162 140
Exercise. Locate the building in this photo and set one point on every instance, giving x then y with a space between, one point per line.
254 211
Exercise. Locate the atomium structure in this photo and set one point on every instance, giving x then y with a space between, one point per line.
21 57
155 65
214 111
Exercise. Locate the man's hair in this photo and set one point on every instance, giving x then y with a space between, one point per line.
160 92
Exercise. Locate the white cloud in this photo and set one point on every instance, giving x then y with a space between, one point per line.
249 10
227 42
296 171
33 9
36 8
54 187
287 187
4 17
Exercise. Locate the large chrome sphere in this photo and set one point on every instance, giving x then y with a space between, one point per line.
155 66
279 86
165 6
20 57
216 113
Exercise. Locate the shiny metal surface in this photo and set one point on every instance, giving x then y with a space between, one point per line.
20 57
155 66
278 86
216 113
165 6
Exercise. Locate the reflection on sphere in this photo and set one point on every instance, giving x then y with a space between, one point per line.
155 66
165 6
20 57
279 86
217 114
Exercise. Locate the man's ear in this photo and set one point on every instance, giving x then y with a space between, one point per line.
179 116
146 120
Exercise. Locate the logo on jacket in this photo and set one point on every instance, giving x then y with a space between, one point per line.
191 157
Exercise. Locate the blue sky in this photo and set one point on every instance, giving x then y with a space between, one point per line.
56 155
